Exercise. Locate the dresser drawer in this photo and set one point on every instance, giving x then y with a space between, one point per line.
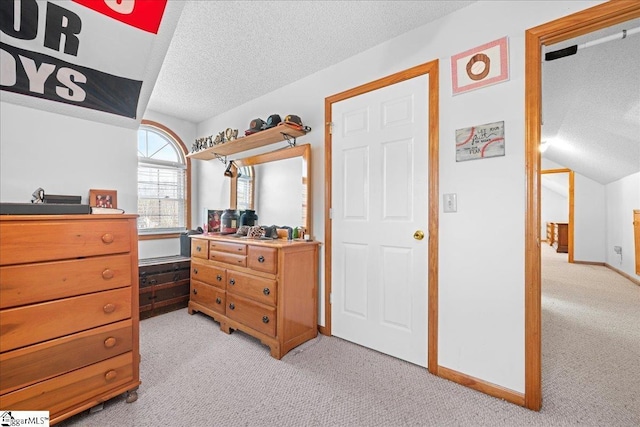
208 296
31 283
202 271
256 288
59 393
163 278
232 248
31 241
258 316
26 366
35 323
233 259
262 259
200 248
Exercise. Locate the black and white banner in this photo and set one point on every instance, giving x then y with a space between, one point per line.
89 53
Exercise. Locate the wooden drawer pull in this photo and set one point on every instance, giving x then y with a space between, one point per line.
107 274
111 375
107 238
109 308
110 342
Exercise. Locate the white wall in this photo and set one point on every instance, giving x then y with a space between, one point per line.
589 220
622 197
64 155
481 268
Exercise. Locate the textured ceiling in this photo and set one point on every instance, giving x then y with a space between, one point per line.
591 106
226 53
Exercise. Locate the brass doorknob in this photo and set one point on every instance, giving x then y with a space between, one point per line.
418 235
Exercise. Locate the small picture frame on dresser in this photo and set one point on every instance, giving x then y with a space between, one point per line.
103 198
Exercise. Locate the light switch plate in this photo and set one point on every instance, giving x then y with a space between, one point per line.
450 202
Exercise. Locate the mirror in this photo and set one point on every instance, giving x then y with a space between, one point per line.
276 185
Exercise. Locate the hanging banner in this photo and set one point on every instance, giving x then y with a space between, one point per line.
89 53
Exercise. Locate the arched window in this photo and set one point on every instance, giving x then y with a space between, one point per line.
162 181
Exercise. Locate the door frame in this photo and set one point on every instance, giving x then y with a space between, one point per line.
577 24
570 227
430 68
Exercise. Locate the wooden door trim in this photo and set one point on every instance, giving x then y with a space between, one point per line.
430 68
577 24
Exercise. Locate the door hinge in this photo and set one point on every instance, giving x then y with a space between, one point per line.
330 213
330 297
330 124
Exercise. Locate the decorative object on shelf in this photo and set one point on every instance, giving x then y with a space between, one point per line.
255 232
213 220
255 126
243 230
229 221
231 134
103 198
481 66
273 121
248 217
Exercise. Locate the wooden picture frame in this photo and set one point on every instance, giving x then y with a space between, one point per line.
103 198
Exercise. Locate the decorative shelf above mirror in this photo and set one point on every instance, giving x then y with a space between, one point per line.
278 133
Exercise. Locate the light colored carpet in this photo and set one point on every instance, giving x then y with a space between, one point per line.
195 375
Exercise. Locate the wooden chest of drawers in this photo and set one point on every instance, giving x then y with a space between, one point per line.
265 289
164 284
68 312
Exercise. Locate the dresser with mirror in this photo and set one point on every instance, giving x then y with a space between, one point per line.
264 287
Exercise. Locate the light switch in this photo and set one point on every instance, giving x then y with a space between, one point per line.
450 202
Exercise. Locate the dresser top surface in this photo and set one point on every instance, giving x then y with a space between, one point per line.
277 243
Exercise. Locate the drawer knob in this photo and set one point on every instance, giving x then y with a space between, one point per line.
109 308
195 292
176 277
198 249
232 306
195 271
260 258
110 342
232 282
107 274
265 319
107 238
266 291
111 375
218 301
219 277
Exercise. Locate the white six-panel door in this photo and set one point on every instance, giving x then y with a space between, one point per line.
379 200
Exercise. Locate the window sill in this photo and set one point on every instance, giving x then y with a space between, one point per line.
157 236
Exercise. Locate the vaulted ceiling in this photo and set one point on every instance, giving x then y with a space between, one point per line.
591 106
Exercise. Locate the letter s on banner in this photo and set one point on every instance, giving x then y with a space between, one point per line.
143 14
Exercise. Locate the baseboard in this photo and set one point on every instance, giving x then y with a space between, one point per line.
482 386
602 264
623 274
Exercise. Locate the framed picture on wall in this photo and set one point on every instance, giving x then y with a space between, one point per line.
481 66
103 198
